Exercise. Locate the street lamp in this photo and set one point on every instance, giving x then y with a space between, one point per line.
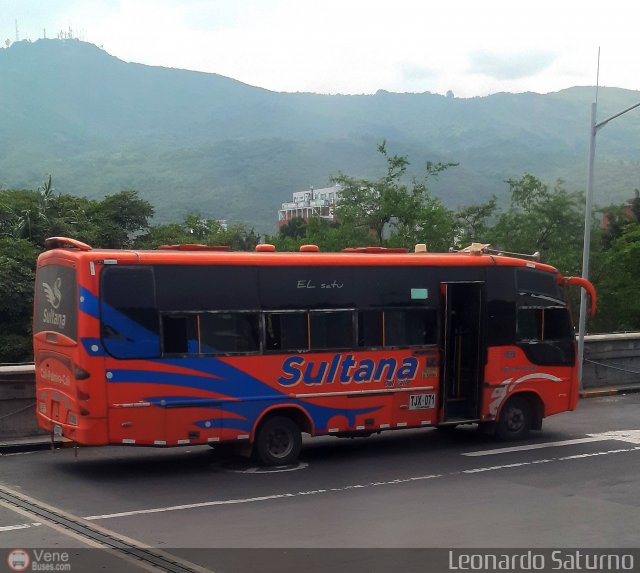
593 131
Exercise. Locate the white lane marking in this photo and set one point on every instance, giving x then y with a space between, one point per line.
342 489
255 499
351 487
190 506
629 436
21 526
592 454
534 447
563 459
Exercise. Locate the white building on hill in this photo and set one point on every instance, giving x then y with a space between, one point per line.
313 203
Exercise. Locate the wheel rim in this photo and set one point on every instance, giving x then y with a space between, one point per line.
514 419
279 443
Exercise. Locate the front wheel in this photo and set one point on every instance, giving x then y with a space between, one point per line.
278 441
515 419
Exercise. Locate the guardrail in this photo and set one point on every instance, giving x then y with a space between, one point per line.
609 360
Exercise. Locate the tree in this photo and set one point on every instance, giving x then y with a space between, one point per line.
331 236
473 222
544 219
196 229
635 205
619 307
389 203
120 218
240 238
295 228
17 265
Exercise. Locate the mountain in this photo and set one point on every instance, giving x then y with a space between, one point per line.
198 142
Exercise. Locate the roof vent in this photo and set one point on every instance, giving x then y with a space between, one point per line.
420 248
309 249
266 248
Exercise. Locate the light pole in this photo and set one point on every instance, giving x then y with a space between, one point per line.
586 251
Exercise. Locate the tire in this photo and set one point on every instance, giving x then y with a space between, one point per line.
515 419
278 442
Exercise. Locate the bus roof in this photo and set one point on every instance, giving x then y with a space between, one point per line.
269 257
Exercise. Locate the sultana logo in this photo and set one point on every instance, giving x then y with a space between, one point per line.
54 298
346 368
18 560
54 295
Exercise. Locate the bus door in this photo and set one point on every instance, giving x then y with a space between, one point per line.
463 351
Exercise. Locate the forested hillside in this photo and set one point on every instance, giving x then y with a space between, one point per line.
195 142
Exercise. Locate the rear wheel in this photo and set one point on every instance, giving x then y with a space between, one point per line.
515 419
278 441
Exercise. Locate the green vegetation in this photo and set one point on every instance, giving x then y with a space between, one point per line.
194 142
392 210
119 221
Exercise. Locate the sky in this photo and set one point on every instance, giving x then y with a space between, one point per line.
473 48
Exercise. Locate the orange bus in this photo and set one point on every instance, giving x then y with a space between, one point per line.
191 344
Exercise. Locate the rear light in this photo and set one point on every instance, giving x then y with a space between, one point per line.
80 373
84 411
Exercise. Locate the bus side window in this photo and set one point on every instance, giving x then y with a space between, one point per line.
502 320
331 329
542 324
410 327
530 321
180 334
546 336
229 332
370 328
286 331
557 324
129 322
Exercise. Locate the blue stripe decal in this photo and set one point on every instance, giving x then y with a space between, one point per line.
234 386
88 303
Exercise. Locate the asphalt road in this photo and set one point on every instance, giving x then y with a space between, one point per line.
573 485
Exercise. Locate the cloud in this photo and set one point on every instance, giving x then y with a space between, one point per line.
510 66
415 72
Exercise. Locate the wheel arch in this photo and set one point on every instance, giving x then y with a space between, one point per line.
296 413
537 406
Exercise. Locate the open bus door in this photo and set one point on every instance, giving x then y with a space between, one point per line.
463 352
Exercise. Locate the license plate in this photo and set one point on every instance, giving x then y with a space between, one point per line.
422 401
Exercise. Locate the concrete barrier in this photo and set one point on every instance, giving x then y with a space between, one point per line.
17 402
610 360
